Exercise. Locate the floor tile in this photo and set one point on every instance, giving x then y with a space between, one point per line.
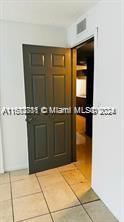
6 211
84 166
50 180
44 218
5 192
67 167
84 192
29 206
4 178
73 177
75 214
80 189
60 196
83 148
19 175
47 172
89 196
27 186
99 212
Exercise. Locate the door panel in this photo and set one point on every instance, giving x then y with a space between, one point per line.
47 72
40 139
39 85
59 138
59 86
58 60
37 59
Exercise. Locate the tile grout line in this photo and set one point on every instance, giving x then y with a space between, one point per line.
88 214
14 181
45 199
59 209
60 172
78 199
88 183
90 201
11 198
48 213
81 204
66 208
26 195
76 168
30 218
75 184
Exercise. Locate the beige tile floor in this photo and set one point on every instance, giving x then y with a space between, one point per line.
58 195
62 194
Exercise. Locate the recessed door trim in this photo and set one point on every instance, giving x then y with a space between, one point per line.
88 37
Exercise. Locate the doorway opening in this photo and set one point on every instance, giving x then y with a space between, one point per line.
84 98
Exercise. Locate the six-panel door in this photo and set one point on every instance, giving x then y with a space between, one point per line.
47 73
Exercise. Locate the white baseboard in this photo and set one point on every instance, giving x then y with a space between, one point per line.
1 171
18 167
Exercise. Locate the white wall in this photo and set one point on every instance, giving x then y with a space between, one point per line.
122 122
1 146
1 153
12 83
107 143
107 140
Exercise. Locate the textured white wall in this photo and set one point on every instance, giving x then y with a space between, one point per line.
1 145
1 152
12 83
107 134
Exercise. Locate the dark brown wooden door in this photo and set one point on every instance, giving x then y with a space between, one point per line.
47 74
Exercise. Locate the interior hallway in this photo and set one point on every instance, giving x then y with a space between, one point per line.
58 195
84 148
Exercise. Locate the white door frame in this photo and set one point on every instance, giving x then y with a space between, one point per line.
92 34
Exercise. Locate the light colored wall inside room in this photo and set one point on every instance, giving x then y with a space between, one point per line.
12 83
107 140
1 152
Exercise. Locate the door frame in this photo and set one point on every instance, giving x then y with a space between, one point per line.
73 48
94 35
